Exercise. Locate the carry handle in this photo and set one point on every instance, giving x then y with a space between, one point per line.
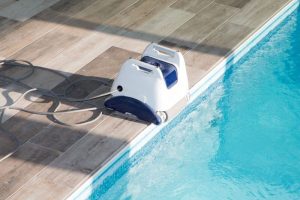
141 68
144 67
164 51
161 50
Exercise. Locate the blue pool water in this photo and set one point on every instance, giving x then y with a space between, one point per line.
241 140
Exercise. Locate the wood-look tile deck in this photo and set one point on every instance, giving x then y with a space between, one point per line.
91 39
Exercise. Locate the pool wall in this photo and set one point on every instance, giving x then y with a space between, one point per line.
85 190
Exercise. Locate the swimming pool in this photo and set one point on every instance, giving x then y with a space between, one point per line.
240 140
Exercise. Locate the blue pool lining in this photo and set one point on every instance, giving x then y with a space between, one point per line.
112 164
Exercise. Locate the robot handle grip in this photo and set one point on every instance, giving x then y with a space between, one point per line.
160 50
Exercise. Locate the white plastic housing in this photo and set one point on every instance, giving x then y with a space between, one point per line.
146 83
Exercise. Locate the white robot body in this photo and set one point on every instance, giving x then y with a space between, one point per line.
159 80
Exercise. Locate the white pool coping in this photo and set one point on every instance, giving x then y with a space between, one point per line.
86 189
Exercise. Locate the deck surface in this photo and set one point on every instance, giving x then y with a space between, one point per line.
91 39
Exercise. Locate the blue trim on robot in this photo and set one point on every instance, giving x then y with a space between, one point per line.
141 110
168 70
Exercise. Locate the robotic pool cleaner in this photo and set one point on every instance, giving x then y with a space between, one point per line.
147 88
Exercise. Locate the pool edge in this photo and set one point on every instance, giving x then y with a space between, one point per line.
85 189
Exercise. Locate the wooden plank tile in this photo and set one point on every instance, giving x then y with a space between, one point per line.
22 166
234 3
215 47
101 11
63 136
196 29
228 36
25 9
79 161
137 13
82 52
22 34
151 12
154 29
44 190
256 12
191 5
44 49
164 22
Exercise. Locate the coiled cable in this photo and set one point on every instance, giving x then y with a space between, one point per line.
30 69
49 93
